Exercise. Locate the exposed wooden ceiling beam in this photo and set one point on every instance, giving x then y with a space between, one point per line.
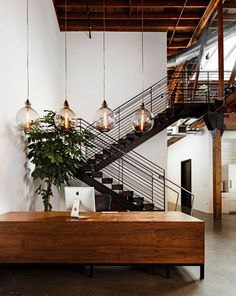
135 3
233 74
204 20
123 16
126 25
130 8
231 100
174 139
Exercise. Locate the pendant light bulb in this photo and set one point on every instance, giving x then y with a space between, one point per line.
104 119
142 120
26 117
65 119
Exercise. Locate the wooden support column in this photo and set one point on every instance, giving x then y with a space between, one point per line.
217 207
233 74
220 49
217 202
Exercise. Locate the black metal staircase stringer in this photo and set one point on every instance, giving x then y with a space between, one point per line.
123 202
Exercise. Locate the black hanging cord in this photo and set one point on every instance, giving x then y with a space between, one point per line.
89 21
180 15
65 50
104 50
27 66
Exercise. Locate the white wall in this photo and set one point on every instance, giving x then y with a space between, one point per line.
46 86
123 68
228 154
155 149
123 75
85 83
199 150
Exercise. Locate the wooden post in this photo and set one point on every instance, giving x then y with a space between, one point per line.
217 174
220 49
233 74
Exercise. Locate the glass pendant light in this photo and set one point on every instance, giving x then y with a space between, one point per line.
142 119
65 119
27 116
104 119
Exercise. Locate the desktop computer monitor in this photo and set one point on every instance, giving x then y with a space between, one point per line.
80 199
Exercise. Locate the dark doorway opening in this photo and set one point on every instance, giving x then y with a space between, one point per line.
186 182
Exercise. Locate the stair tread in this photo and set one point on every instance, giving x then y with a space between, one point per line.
148 206
87 168
97 174
137 198
117 186
127 193
99 155
124 141
91 161
107 180
106 151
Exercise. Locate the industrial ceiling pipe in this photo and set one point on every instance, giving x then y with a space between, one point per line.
194 50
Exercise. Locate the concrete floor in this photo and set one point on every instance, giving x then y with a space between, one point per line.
220 277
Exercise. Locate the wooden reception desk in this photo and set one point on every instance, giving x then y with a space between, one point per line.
119 238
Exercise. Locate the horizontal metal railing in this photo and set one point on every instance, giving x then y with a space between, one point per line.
135 172
127 170
190 87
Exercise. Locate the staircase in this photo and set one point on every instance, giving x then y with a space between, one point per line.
113 168
134 182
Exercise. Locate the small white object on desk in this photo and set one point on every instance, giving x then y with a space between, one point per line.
110 212
83 217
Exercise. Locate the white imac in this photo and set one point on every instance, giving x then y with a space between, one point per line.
80 199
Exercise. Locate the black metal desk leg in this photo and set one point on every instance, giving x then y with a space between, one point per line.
167 271
202 271
91 271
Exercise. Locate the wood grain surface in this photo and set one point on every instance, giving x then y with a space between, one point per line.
122 238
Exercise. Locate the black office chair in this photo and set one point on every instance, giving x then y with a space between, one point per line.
103 202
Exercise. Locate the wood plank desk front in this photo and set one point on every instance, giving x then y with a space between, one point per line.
122 238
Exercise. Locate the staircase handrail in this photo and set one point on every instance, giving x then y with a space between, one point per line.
163 177
184 189
165 94
120 151
133 168
140 94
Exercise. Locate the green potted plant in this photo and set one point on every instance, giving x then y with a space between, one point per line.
55 153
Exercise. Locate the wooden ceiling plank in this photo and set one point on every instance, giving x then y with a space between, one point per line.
130 8
128 25
178 44
229 17
122 16
135 3
180 35
229 4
